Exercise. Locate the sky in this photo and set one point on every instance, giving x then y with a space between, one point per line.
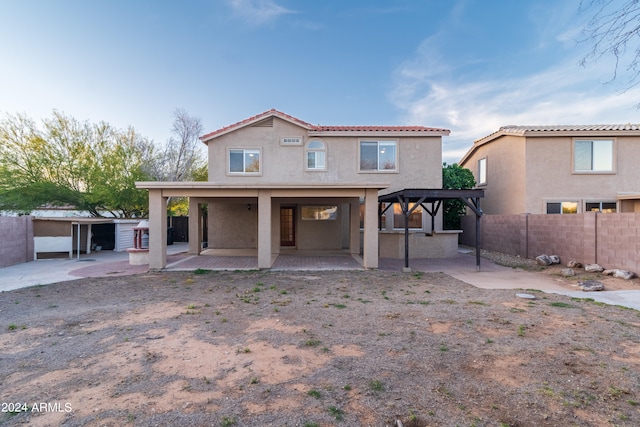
470 66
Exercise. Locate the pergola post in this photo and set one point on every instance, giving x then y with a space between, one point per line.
478 214
405 211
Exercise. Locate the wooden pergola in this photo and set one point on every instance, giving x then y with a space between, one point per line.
434 197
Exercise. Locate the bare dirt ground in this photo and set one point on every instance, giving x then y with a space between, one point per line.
327 348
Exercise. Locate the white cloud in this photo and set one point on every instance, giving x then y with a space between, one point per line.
472 109
259 12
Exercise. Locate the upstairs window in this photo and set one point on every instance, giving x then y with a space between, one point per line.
316 155
482 171
593 155
378 156
244 161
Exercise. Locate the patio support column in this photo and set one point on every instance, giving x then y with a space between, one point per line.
88 251
354 227
195 226
370 250
157 230
264 229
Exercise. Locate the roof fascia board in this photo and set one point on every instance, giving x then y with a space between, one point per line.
253 120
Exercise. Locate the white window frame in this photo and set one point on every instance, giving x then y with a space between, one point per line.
318 154
386 142
593 168
482 171
291 140
244 151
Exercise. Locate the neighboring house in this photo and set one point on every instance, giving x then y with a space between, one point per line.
558 169
277 182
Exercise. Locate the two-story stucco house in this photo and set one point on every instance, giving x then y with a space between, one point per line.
558 169
277 182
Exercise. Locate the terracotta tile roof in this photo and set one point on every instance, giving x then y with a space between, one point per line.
569 128
254 119
554 130
378 129
317 128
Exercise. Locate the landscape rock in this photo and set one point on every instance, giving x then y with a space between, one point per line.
574 264
547 259
591 285
620 274
594 268
568 272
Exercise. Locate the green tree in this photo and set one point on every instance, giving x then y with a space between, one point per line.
455 177
67 162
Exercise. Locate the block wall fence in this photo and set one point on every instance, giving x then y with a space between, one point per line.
611 240
16 241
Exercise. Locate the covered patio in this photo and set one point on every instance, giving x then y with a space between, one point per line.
247 259
267 199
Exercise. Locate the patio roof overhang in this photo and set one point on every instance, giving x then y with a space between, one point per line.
208 189
421 196
263 194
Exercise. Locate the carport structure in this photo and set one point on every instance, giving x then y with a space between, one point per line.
410 199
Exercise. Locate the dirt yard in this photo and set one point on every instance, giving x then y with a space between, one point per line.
309 349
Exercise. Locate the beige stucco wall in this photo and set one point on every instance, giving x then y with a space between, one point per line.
419 158
550 173
524 173
504 191
232 225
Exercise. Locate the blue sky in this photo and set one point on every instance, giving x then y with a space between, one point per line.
467 65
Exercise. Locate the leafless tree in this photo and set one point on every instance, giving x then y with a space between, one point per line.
182 153
614 31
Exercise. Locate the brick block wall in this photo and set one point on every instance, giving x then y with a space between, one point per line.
562 235
611 240
501 233
618 244
16 245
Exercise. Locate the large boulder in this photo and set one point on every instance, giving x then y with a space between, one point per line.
594 268
620 274
547 259
591 285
